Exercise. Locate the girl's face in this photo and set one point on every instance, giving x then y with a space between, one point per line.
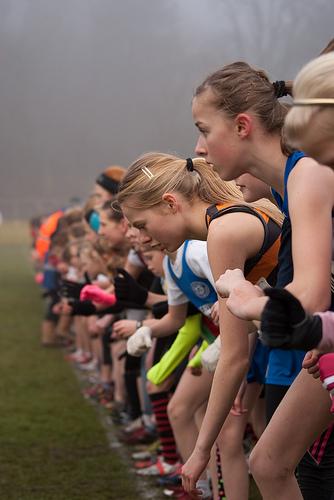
114 231
91 265
91 235
100 195
161 225
153 260
62 267
252 189
74 257
219 142
132 235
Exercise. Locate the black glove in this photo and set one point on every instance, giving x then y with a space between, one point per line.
160 309
128 290
87 308
70 289
82 307
285 324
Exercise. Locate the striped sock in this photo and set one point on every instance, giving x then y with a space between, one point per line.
165 432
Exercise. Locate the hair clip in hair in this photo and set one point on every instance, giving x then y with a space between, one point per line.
280 89
147 172
189 165
316 101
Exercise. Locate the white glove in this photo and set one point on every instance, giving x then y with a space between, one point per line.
210 356
140 341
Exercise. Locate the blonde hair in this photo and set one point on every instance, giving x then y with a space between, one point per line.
154 174
315 80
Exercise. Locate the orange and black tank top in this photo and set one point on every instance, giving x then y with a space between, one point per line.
264 263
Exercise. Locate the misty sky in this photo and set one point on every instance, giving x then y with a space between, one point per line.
89 83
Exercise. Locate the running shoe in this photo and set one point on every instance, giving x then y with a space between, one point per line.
133 425
147 451
177 492
160 468
94 392
139 436
141 455
91 366
171 480
143 464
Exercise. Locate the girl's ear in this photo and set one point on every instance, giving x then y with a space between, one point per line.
171 201
125 225
244 124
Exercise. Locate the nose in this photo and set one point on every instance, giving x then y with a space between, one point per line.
200 148
238 180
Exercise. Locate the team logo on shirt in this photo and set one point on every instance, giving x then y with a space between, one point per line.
206 309
200 289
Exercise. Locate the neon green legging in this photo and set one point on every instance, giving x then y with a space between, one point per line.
186 339
196 361
208 338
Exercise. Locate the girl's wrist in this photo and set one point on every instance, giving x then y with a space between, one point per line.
203 449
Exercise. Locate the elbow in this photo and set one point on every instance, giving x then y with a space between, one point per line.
323 305
314 304
313 299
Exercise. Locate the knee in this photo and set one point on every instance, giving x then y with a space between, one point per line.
177 411
93 329
151 388
265 467
259 466
230 441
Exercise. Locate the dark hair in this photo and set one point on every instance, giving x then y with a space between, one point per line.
73 215
77 230
112 211
110 178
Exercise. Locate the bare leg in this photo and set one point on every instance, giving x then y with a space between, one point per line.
82 332
118 348
48 332
258 417
63 326
105 374
199 415
95 342
234 464
300 418
190 394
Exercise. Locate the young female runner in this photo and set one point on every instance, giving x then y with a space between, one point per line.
240 120
310 124
170 200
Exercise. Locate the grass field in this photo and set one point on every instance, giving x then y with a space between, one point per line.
52 443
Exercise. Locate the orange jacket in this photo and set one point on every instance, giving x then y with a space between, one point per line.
45 232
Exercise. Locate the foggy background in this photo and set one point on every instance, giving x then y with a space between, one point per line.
89 83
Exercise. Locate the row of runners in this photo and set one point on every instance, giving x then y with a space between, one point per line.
237 240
